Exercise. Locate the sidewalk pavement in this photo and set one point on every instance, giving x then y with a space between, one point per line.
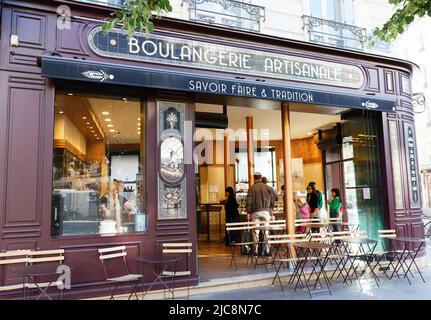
396 289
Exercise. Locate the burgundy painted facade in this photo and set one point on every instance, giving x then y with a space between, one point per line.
26 134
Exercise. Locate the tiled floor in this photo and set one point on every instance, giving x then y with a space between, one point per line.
214 262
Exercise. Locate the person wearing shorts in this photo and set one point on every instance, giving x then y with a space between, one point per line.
260 205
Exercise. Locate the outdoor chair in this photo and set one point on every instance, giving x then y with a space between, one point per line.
9 259
385 254
289 257
46 256
178 248
242 227
118 254
342 250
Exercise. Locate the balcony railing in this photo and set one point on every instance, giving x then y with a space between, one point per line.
334 33
227 13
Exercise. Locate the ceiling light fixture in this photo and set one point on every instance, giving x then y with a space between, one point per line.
84 118
105 113
112 130
108 120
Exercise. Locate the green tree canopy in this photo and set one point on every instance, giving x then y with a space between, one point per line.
405 13
137 15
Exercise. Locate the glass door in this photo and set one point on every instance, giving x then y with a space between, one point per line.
354 168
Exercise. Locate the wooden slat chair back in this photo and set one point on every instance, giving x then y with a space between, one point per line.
118 253
302 222
281 223
331 220
178 248
13 258
40 256
386 234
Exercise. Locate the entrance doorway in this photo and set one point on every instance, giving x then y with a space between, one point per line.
333 147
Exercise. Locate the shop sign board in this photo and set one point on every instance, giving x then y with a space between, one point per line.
172 50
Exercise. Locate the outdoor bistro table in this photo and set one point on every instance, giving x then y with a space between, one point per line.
406 254
158 264
208 210
311 252
31 273
364 252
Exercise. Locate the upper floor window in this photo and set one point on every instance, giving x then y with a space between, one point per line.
334 10
331 22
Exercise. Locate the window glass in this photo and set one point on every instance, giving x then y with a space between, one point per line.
264 162
98 171
316 8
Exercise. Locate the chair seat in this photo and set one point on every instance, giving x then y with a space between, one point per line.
11 287
176 273
126 277
44 284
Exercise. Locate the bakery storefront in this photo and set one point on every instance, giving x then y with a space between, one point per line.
97 130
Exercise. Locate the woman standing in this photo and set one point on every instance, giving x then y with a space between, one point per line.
231 209
334 206
115 206
313 201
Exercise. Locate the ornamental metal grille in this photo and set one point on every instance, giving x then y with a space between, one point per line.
334 33
227 13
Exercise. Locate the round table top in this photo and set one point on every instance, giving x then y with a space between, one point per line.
42 269
409 239
158 258
360 240
313 245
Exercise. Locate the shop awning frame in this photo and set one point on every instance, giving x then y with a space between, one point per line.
99 72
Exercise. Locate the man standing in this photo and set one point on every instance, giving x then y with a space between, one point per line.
260 205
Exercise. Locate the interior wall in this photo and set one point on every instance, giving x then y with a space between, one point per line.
65 130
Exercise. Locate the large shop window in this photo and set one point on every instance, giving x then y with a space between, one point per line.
98 165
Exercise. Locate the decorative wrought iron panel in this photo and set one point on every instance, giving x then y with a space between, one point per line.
227 13
334 33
